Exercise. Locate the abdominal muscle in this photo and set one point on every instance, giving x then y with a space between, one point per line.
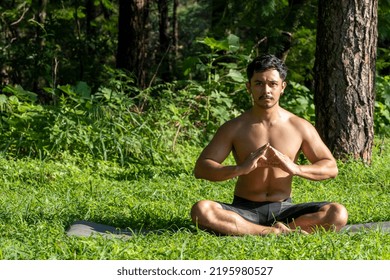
264 184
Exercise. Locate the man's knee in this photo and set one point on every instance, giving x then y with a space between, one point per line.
338 214
201 211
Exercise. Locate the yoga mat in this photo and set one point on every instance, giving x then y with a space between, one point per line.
87 229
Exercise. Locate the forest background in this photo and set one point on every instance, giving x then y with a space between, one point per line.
86 135
61 61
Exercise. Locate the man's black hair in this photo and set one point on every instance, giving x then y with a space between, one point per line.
266 62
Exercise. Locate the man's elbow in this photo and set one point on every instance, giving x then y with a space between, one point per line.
198 172
329 170
334 171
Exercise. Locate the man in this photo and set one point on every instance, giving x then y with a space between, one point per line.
266 141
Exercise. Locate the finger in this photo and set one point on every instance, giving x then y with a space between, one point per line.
274 151
276 155
260 150
262 161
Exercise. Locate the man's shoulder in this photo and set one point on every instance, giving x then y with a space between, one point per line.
232 126
301 125
237 121
295 119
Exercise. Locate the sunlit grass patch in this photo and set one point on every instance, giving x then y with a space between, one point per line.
39 199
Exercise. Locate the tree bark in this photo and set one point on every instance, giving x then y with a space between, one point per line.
90 12
345 76
132 36
38 81
165 42
175 27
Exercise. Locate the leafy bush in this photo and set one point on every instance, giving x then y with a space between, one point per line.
104 125
222 70
108 124
299 99
382 106
22 122
123 123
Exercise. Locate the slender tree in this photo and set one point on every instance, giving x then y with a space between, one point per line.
175 29
165 40
132 36
345 76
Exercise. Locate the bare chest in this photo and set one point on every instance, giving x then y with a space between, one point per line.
284 138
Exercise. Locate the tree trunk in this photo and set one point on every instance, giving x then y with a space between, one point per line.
132 35
165 41
38 81
175 27
217 15
345 76
90 12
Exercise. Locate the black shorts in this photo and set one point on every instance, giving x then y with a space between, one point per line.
267 213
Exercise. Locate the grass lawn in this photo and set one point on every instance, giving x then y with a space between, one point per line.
39 199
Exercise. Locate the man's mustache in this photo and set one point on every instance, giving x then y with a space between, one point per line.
266 96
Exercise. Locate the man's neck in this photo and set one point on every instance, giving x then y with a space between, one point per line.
266 115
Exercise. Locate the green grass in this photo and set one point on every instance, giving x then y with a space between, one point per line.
39 199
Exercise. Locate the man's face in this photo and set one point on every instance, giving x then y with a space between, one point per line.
266 88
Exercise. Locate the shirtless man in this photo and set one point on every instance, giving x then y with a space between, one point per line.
266 141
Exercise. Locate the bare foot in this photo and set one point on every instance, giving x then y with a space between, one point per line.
283 229
301 231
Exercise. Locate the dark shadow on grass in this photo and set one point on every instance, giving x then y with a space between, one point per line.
126 229
145 171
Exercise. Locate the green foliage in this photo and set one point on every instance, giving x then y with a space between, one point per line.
301 57
383 60
21 122
62 42
383 22
55 43
299 99
120 122
103 125
109 124
222 95
382 106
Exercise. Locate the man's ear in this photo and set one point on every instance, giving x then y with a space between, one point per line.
284 85
248 87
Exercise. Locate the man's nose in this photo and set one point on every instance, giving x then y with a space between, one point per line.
265 88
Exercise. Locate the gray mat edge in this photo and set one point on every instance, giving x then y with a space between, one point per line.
86 229
384 226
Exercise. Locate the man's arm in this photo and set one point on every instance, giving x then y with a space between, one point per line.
209 164
323 165
319 169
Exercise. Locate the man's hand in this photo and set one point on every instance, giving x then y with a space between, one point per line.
253 160
273 158
268 156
